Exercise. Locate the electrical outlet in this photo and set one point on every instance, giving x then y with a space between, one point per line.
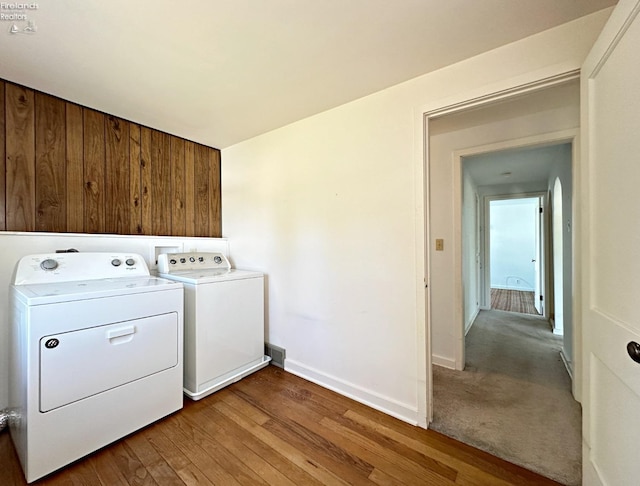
439 244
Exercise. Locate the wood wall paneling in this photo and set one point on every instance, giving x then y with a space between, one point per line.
66 168
145 177
202 191
165 196
3 172
20 158
215 196
160 184
50 184
117 169
94 173
178 223
75 168
135 181
190 189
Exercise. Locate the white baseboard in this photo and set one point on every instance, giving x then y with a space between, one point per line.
590 476
387 405
467 328
522 289
444 362
567 364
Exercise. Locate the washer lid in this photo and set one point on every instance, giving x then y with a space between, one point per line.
50 293
198 277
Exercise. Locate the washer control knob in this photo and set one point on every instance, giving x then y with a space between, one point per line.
191 259
49 264
200 259
116 262
130 262
173 261
183 260
217 259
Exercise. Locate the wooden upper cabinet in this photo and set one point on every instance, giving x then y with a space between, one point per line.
67 168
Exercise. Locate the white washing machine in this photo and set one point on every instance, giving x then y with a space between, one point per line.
223 320
97 347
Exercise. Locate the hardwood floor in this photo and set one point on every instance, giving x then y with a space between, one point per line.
273 428
513 301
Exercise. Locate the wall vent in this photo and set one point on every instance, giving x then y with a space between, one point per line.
276 353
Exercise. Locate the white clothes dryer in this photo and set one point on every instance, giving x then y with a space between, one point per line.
97 347
224 320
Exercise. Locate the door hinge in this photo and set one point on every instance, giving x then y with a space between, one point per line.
538 208
541 299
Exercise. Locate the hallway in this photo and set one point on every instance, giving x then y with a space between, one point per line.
513 399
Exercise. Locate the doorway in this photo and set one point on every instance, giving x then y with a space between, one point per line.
510 123
519 183
521 125
516 269
512 360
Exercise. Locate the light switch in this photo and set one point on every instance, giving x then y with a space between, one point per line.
439 244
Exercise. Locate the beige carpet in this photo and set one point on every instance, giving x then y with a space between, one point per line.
513 399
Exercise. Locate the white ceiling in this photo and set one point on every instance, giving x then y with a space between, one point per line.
515 167
222 71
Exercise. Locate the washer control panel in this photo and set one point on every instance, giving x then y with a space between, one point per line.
68 267
180 262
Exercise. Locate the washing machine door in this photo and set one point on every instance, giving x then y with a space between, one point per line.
78 364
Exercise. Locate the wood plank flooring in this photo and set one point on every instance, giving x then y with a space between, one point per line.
513 301
273 428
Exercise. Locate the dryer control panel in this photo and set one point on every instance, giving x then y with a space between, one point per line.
70 267
179 262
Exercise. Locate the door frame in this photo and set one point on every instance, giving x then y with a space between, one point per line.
544 242
553 138
423 245
542 239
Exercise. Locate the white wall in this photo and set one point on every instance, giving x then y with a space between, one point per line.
332 208
16 245
562 170
512 237
470 250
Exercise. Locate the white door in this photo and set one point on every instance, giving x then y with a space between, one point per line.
610 240
538 260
